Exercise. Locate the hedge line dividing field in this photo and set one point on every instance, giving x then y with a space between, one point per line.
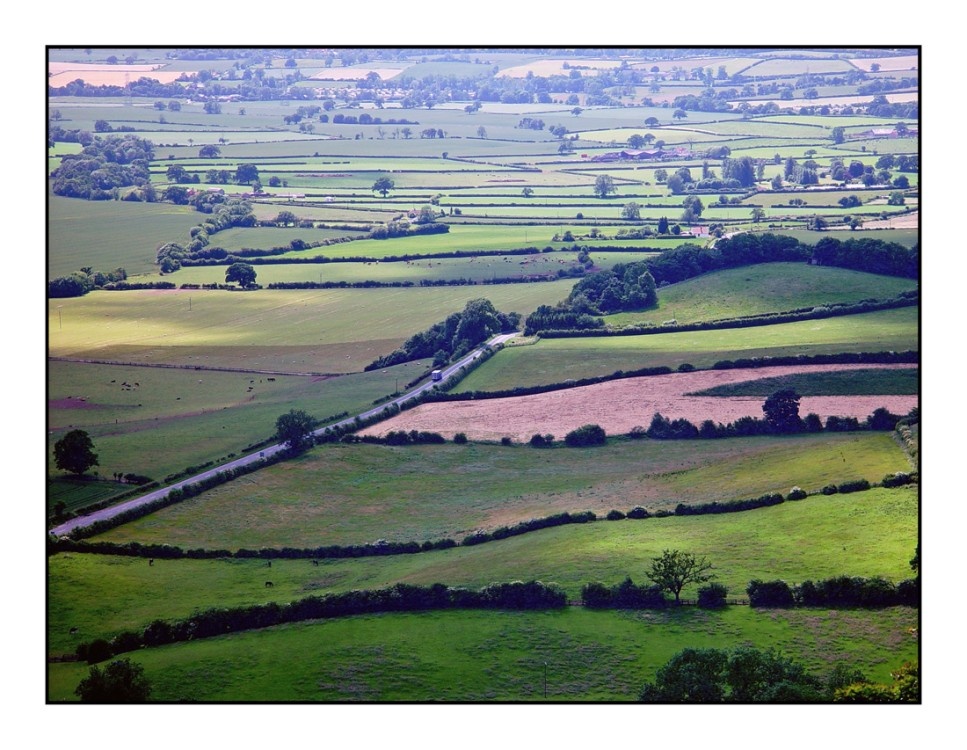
76 541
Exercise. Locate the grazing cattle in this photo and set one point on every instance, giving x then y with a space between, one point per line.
268 584
316 563
73 631
269 564
150 562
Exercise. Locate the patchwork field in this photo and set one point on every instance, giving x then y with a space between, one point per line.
502 146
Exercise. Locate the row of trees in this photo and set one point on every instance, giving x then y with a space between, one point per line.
453 337
749 675
781 417
627 286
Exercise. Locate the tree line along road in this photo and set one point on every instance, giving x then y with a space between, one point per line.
107 513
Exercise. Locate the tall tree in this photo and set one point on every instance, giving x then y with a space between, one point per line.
295 430
604 186
675 569
383 185
782 411
75 452
241 273
631 211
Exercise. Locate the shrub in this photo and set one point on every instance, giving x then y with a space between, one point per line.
460 438
615 515
588 435
830 489
796 493
638 512
897 480
712 595
770 594
506 441
855 485
596 595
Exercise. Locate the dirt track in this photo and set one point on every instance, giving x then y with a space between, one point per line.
620 405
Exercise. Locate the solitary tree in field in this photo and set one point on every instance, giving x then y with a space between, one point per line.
604 186
782 411
75 452
631 211
676 569
383 185
241 273
758 214
295 430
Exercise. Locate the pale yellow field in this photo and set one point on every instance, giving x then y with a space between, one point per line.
908 62
556 67
353 74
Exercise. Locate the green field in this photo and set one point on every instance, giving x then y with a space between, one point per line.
763 288
864 534
107 234
848 383
462 656
477 269
557 360
174 418
357 494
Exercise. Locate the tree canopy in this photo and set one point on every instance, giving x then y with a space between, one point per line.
782 411
604 186
75 452
676 569
241 273
383 185
121 681
295 430
743 675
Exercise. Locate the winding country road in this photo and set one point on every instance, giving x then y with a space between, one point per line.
106 513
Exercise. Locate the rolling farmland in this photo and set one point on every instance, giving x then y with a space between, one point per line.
238 236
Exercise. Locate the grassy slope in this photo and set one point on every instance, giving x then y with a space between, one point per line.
555 360
764 288
341 494
484 656
178 418
295 331
865 534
